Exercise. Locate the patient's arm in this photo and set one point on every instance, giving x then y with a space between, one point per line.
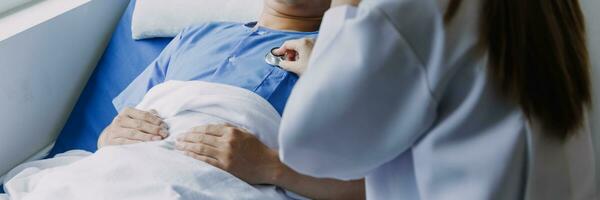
243 155
133 126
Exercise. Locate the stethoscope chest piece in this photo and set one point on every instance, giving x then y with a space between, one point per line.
272 59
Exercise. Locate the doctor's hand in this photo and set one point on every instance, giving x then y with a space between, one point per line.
335 3
133 126
297 54
233 150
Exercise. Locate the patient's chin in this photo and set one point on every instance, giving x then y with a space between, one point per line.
299 8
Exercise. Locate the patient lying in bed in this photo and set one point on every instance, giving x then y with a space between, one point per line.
155 170
163 144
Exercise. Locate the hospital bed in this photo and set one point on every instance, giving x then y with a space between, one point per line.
122 61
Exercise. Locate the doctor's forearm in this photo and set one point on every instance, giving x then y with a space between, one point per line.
317 188
335 3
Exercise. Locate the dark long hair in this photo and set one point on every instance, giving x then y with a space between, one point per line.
538 58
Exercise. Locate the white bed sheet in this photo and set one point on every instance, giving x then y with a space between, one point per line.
154 170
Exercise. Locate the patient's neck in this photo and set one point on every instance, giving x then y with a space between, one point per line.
279 21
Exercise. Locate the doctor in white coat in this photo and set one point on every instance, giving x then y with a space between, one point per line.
444 99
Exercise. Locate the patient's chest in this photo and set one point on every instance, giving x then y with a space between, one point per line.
234 55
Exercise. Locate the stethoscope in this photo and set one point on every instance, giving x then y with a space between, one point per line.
273 59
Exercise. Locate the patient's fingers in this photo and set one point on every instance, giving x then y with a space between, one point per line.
143 115
206 159
155 113
143 126
213 129
210 140
123 141
136 135
198 148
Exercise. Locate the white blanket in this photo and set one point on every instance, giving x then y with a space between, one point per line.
154 170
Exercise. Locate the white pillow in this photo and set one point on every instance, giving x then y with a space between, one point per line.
166 18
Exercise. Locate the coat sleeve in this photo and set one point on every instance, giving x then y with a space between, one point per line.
365 98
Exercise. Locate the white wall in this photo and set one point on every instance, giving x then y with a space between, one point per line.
6 5
592 8
42 72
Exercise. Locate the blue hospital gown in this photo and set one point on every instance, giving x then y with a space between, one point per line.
220 52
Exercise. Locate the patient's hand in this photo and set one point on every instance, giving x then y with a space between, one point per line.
133 126
233 150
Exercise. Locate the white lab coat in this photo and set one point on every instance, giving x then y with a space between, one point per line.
394 95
